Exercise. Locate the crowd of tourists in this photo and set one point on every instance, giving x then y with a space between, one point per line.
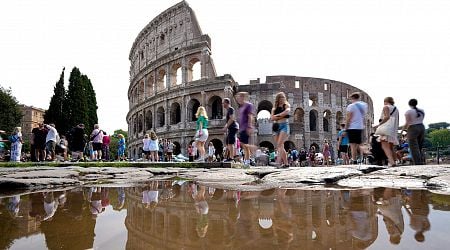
386 145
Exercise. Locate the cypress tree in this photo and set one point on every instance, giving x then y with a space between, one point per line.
55 112
91 101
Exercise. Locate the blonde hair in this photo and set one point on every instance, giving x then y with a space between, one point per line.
201 111
146 136
153 135
278 97
120 136
389 100
17 130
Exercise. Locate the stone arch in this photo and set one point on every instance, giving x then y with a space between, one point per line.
193 105
149 87
161 82
316 146
149 120
299 116
177 148
339 119
327 121
175 113
193 71
313 99
289 145
313 124
267 144
175 74
141 123
160 117
218 145
215 109
265 105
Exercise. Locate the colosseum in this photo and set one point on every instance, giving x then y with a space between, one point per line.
172 73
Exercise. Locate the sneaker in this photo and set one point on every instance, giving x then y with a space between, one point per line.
228 160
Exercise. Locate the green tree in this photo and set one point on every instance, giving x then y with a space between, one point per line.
55 112
115 141
10 112
80 104
440 137
439 125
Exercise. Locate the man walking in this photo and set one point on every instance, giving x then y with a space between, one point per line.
230 128
354 124
50 140
246 117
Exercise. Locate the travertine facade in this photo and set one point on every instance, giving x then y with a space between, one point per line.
164 92
32 116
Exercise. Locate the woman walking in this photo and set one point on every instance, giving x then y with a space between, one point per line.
154 146
326 153
416 131
280 116
387 129
202 132
16 144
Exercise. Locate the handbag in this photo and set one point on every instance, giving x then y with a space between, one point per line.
275 127
387 127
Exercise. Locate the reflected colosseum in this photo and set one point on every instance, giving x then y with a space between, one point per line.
172 73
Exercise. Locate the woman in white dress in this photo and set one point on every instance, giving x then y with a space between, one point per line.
390 139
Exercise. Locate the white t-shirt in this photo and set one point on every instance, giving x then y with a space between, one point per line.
51 135
146 143
412 114
358 110
98 135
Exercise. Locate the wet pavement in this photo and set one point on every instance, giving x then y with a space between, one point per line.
178 214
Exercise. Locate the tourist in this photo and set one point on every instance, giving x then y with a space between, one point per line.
312 156
211 152
417 207
146 147
280 117
390 207
105 146
77 142
202 131
50 141
230 128
16 144
326 153
153 146
170 147
415 131
190 152
354 124
121 148
387 129
97 142
63 144
343 145
2 145
38 136
150 195
246 117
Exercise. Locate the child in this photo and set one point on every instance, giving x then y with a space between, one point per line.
121 148
211 152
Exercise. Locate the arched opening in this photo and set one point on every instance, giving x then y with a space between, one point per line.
192 109
149 120
175 113
326 121
149 87
141 91
179 76
160 116
312 100
175 74
315 146
299 116
162 80
215 108
313 120
218 145
289 145
339 119
141 123
265 105
194 70
263 114
267 144
177 148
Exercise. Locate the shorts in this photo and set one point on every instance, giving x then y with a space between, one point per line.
96 146
203 137
231 136
146 152
354 135
282 127
50 145
39 146
343 149
243 137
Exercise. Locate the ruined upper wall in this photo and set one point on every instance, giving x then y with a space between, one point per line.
174 29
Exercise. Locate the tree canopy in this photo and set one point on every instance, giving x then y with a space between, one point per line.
10 114
440 137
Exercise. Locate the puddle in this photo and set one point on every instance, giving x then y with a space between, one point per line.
187 215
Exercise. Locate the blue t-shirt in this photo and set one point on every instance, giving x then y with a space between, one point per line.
344 140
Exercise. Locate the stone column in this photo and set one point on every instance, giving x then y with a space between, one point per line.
204 62
166 114
184 71
168 77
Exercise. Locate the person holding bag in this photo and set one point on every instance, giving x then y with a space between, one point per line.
387 129
202 131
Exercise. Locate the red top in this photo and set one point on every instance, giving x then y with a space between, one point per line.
106 140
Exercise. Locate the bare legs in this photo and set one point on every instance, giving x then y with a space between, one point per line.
388 149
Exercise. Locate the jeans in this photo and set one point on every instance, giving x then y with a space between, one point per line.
416 136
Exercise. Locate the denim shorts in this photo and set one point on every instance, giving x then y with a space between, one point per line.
283 127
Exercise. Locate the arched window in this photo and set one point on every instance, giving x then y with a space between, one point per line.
141 123
162 80
192 109
175 74
339 119
326 121
313 120
160 116
149 120
194 70
175 113
299 115
149 87
215 107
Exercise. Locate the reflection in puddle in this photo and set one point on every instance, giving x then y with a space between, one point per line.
180 214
